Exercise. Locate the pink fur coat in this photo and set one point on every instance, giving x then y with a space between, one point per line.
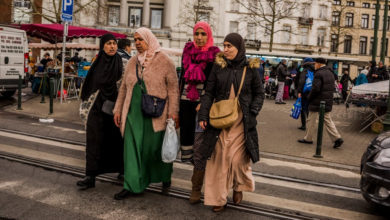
160 80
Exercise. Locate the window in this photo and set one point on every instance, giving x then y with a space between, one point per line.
347 44
365 5
304 36
135 17
233 27
253 3
204 16
336 2
336 18
156 19
323 10
22 10
348 19
388 26
351 4
333 43
363 45
380 49
113 16
287 8
371 44
364 21
374 6
267 33
373 22
234 5
286 34
306 10
251 31
387 23
321 37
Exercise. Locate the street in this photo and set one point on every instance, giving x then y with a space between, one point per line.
41 162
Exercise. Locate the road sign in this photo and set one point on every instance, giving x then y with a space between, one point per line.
67 11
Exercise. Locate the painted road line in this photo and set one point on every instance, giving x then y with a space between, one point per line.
292 185
61 128
42 141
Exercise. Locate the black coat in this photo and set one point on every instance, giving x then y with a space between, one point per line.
373 70
302 78
382 73
282 73
344 82
251 99
322 89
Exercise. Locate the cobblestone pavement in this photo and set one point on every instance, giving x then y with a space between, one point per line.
278 133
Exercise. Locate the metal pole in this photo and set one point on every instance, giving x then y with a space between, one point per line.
43 88
63 59
384 31
320 130
376 29
20 94
51 95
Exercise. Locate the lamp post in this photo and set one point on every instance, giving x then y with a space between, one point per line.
376 28
386 122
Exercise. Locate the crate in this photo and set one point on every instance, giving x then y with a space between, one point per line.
82 73
82 64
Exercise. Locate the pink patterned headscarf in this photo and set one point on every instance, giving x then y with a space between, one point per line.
210 40
146 57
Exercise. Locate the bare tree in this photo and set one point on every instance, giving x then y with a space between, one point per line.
343 25
267 13
51 10
193 11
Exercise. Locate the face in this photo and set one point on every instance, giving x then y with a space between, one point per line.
370 64
317 65
346 72
200 37
47 56
229 51
140 43
128 49
380 64
110 47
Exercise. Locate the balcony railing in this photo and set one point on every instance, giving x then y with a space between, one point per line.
305 21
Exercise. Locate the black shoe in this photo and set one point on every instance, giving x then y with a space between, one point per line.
283 103
167 185
87 182
120 177
302 128
278 103
305 141
338 143
122 195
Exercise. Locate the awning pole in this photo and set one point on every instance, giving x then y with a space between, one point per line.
63 59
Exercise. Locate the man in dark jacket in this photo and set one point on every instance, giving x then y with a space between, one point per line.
322 90
344 83
282 76
76 58
308 65
124 50
260 70
382 73
372 74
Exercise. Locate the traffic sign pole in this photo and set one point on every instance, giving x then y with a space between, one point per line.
66 17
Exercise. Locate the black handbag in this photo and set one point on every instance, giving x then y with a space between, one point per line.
151 106
108 106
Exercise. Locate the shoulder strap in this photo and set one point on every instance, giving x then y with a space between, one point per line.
138 79
242 81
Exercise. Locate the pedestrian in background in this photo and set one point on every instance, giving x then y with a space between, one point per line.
322 90
372 74
382 73
124 50
75 58
308 65
282 76
198 60
46 59
144 135
104 142
362 78
344 84
230 150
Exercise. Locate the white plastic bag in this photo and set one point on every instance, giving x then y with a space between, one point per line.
171 145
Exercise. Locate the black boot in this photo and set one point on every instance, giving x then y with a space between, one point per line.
122 195
87 182
167 184
303 121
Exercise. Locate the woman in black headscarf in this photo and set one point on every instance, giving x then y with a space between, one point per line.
230 150
104 141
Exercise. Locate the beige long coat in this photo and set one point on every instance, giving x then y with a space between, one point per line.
160 80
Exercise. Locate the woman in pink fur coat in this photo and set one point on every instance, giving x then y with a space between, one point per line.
143 135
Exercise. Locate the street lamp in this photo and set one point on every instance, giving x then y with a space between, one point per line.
319 52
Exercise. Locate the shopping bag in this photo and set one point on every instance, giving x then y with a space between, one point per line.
296 109
309 81
171 144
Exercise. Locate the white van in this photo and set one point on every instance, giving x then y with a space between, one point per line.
13 59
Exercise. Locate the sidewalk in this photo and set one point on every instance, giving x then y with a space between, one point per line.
279 134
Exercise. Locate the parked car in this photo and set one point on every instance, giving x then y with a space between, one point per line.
375 173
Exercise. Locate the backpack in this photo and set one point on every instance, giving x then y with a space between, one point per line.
309 81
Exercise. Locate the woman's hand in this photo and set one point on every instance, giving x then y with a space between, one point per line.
197 107
174 117
117 120
203 124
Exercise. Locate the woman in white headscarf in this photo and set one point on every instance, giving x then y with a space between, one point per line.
143 135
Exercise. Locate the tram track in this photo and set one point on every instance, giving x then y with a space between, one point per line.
171 192
259 174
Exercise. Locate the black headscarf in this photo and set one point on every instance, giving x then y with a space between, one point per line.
238 42
104 73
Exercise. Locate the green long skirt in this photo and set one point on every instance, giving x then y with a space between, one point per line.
142 150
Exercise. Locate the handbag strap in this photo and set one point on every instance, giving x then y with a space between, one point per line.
138 79
242 81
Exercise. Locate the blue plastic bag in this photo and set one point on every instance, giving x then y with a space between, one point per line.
309 81
296 109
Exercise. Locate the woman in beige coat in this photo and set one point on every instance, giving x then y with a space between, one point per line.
143 135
